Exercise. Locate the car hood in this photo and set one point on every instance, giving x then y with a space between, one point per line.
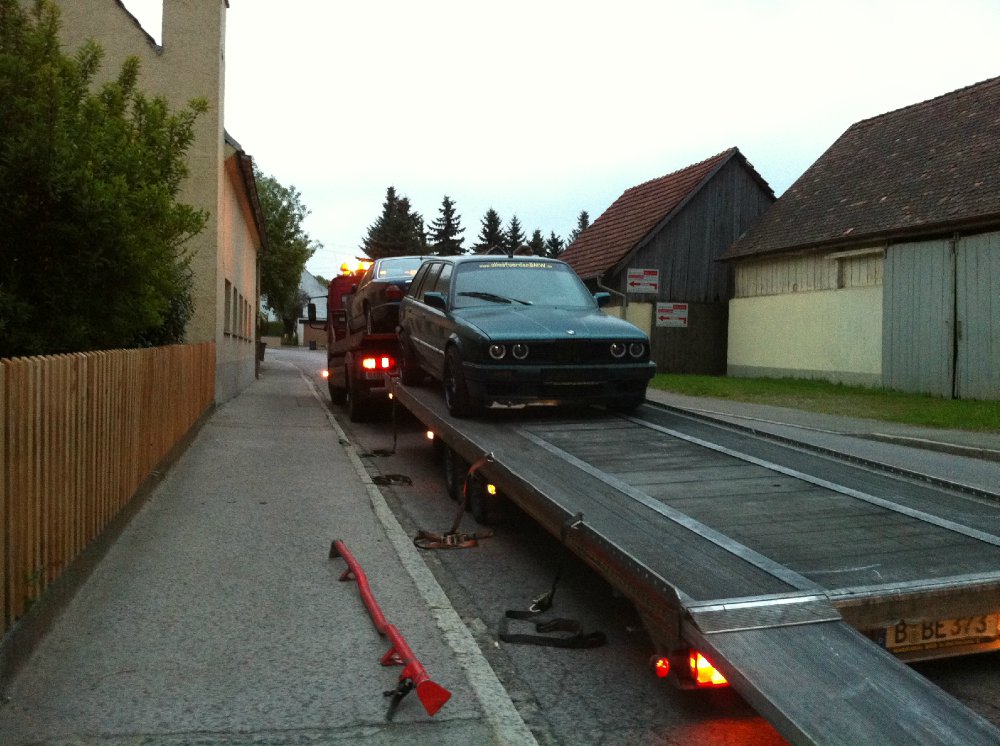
546 322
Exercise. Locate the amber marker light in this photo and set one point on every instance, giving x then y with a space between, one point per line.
491 489
703 672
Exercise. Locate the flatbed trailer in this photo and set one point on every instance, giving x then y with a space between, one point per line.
806 581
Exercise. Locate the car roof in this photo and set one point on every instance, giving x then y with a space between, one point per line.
517 258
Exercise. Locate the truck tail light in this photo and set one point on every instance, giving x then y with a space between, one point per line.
324 373
703 672
382 362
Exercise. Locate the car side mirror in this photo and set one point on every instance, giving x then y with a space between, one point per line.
311 313
436 300
602 299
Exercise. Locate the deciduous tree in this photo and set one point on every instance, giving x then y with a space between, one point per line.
92 235
288 248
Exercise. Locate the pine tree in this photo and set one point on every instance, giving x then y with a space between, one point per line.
445 238
582 223
553 245
491 235
398 231
515 235
537 243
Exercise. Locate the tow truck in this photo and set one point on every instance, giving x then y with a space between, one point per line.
804 583
359 365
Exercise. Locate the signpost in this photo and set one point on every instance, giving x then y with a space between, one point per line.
672 314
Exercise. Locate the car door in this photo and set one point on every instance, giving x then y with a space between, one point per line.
439 323
415 316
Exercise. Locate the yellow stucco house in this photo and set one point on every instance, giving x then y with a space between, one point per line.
190 63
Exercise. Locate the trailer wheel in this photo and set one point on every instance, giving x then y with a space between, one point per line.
487 509
338 394
456 392
357 398
455 469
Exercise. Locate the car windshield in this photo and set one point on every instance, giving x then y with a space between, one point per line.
504 282
402 266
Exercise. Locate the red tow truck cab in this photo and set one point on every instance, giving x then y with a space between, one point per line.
358 365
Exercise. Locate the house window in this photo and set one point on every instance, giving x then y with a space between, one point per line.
228 320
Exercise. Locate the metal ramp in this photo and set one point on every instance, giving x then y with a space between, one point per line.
823 682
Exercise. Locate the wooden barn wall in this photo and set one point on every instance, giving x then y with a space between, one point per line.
685 252
686 249
806 273
977 373
695 349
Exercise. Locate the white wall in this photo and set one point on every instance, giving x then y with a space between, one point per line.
830 334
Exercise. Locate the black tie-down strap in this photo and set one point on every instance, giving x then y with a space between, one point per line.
557 633
568 633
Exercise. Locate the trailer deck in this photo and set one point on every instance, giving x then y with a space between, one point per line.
768 558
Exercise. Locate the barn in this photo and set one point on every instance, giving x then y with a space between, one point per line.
674 229
880 265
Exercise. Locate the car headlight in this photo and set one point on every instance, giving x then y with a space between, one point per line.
498 352
637 350
617 349
520 351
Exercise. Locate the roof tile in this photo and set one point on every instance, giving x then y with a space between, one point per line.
932 166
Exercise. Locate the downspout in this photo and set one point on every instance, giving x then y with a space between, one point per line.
623 296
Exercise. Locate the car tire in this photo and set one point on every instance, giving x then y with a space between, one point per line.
456 392
627 406
409 372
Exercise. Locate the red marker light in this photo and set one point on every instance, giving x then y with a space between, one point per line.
661 666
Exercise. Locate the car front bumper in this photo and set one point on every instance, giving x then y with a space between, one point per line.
585 384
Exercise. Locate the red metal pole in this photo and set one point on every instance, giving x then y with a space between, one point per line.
433 696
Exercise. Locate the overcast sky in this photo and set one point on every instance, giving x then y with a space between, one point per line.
544 108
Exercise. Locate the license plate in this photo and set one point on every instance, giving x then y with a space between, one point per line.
903 637
374 375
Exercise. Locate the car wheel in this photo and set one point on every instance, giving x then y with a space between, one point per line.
409 372
456 392
357 399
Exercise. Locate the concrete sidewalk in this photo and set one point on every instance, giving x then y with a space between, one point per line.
217 617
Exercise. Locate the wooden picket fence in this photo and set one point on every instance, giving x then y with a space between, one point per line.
80 434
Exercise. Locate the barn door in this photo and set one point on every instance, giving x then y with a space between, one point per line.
918 350
977 309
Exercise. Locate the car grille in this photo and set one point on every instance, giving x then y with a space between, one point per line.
574 352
